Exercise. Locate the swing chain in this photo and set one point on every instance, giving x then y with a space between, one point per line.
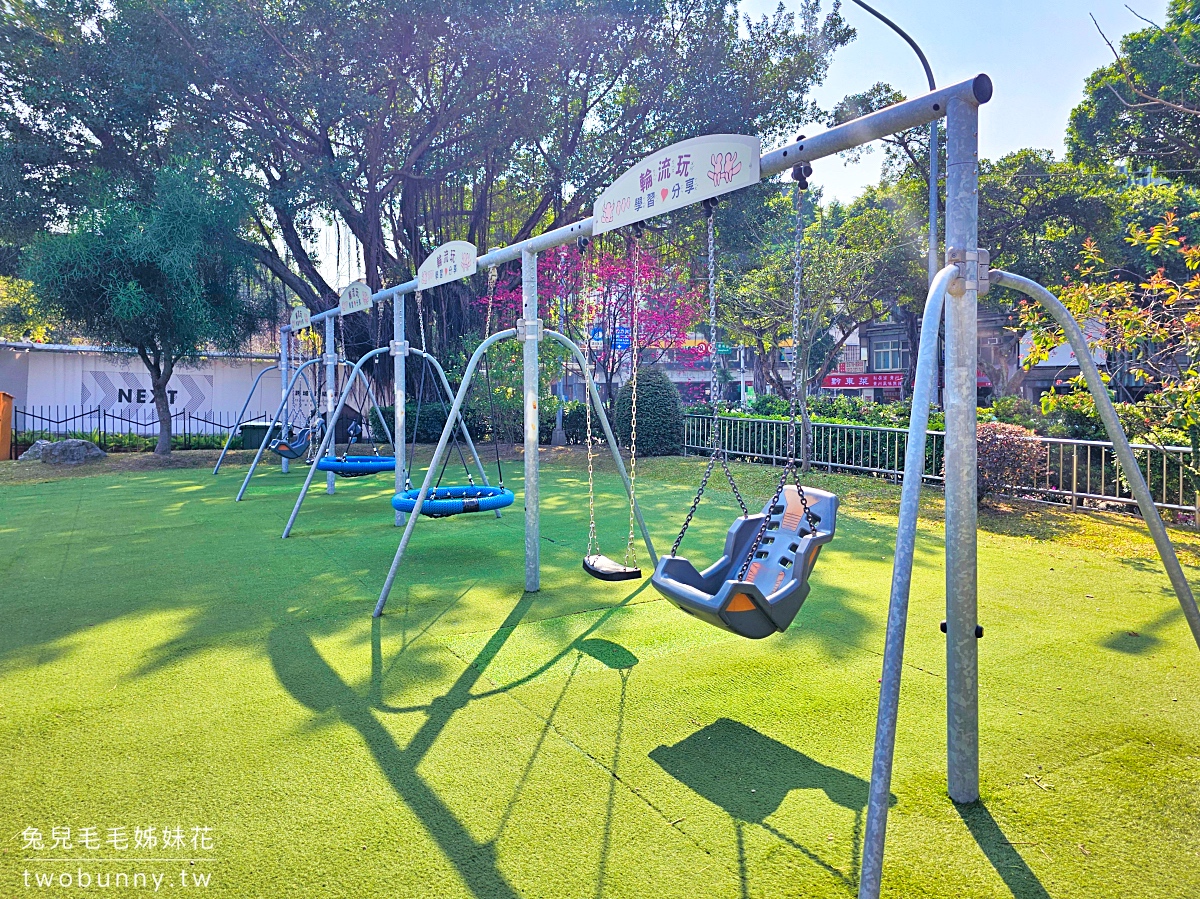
421 320
593 546
789 467
635 303
715 444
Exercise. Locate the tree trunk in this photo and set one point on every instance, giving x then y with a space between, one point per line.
163 406
805 424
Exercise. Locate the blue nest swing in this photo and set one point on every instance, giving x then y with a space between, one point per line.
356 466
441 502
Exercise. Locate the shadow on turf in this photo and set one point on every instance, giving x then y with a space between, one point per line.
313 683
1146 638
749 774
1017 876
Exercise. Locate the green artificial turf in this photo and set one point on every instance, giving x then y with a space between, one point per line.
167 660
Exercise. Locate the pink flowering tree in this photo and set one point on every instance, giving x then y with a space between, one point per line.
598 288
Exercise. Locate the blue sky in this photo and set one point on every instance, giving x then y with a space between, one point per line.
1037 52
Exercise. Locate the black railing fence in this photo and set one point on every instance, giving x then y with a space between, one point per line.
113 432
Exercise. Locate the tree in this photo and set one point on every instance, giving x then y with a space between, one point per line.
477 122
1150 313
860 262
168 276
1144 107
20 315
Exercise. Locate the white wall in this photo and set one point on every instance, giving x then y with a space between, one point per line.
42 375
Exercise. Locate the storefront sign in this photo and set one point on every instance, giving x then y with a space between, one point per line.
883 379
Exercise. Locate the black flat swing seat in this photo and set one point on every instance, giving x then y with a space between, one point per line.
605 569
294 448
776 582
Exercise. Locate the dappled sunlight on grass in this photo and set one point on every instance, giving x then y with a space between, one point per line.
163 643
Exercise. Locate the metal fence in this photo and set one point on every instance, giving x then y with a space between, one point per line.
1075 473
112 431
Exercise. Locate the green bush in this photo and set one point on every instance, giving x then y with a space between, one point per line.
575 423
769 404
659 418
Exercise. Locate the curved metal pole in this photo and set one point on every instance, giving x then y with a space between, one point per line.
902 564
328 435
236 424
455 411
933 139
462 422
1116 433
344 396
271 427
608 436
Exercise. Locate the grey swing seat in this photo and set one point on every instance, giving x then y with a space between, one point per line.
768 596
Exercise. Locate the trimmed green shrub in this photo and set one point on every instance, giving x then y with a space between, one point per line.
660 414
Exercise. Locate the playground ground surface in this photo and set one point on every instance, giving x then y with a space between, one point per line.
166 660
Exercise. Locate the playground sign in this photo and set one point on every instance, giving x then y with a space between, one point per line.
677 176
355 298
449 262
301 318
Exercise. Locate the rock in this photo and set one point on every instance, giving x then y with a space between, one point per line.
71 452
34 453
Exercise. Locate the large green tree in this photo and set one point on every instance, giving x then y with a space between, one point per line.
406 124
1144 107
166 274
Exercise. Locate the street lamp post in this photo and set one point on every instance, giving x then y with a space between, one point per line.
933 140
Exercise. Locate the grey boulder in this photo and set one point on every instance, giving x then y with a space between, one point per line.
71 452
34 453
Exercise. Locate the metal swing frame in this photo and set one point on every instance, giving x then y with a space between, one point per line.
454 418
959 105
237 424
280 417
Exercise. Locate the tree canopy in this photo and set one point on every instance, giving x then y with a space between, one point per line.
167 275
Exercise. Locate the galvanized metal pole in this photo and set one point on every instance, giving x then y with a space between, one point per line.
399 399
529 312
962 651
1120 442
285 336
242 414
330 378
902 564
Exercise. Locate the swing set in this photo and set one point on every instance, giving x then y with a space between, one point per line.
758 584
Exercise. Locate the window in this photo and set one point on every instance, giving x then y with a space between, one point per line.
890 355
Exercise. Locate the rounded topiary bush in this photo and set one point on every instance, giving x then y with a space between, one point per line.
1008 459
660 414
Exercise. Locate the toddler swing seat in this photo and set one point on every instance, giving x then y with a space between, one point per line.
767 596
294 448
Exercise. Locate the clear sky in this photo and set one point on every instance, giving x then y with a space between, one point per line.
1037 53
